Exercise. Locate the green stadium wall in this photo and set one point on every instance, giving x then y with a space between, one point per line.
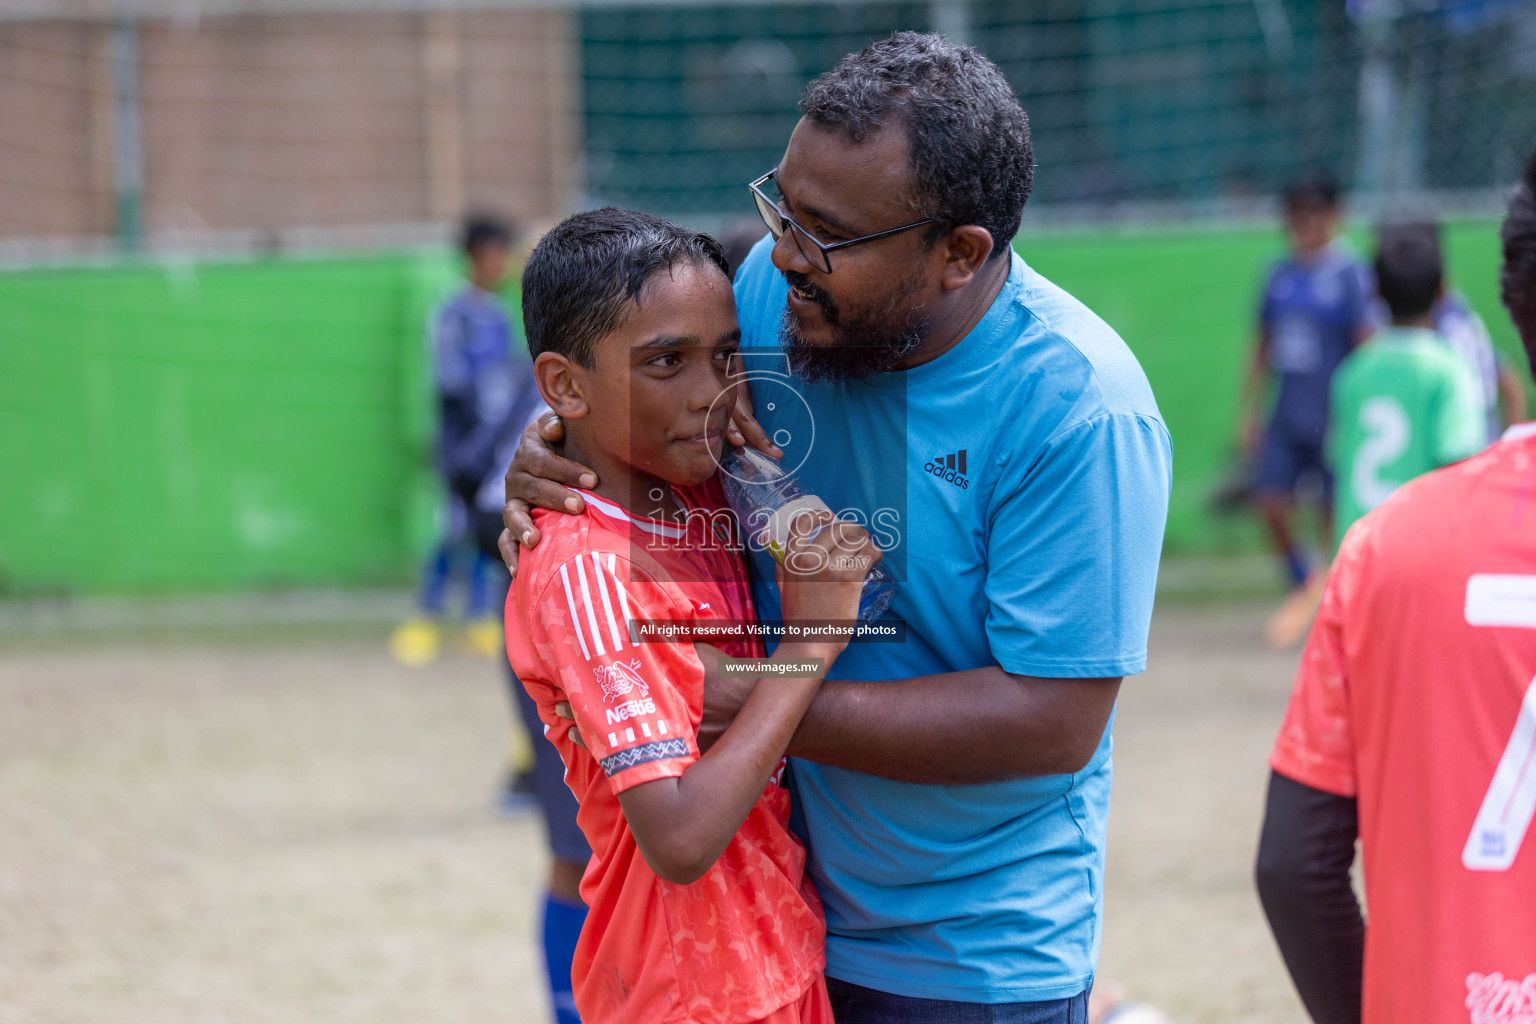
214 425
267 424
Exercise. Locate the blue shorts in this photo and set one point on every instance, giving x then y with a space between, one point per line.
1286 459
555 798
855 1004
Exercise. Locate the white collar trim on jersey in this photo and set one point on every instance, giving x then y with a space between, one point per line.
613 511
1519 431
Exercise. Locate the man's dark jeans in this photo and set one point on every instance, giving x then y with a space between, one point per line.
854 1004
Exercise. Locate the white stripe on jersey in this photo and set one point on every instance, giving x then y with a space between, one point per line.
618 585
586 597
615 512
570 603
613 627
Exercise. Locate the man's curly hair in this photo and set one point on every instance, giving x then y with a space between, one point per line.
967 136
1517 281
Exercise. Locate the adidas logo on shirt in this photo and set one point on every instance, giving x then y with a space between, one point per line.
949 468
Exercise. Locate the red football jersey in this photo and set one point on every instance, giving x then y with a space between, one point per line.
749 936
1414 695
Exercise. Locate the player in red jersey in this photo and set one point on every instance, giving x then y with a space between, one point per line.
700 911
1413 725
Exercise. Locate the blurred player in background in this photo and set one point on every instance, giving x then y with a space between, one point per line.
1316 307
1412 726
1405 402
473 365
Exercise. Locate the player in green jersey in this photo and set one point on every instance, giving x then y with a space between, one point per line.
1404 403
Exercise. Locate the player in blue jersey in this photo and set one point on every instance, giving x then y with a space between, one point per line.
952 788
474 374
1315 309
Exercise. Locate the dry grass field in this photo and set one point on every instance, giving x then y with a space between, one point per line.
225 825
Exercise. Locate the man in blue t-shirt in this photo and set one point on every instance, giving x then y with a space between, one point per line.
1316 308
952 788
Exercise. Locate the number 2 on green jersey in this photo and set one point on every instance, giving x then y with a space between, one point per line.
1388 431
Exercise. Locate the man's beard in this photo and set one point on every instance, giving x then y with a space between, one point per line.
864 341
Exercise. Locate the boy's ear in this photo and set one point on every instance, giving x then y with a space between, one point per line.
561 383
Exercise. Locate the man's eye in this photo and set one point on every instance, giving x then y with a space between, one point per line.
725 354
666 359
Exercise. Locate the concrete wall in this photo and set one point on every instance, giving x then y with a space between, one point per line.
271 123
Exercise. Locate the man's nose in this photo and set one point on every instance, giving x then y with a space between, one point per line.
786 254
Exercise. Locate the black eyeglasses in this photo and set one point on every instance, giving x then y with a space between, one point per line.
819 253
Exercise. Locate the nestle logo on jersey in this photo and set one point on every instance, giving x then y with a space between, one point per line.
949 468
1495 999
631 709
620 679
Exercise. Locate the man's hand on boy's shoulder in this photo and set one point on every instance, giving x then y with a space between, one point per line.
540 477
723 695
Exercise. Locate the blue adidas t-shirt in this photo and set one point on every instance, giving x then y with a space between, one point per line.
1019 484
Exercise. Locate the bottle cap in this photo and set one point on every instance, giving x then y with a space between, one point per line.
777 530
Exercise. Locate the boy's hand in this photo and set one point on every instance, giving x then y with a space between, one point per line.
538 477
822 576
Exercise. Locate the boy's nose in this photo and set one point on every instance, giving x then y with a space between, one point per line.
704 387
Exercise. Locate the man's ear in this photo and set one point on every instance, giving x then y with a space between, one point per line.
562 383
965 252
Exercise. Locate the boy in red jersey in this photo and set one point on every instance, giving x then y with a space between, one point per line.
1413 726
700 910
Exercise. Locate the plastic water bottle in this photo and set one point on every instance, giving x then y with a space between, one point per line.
766 498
